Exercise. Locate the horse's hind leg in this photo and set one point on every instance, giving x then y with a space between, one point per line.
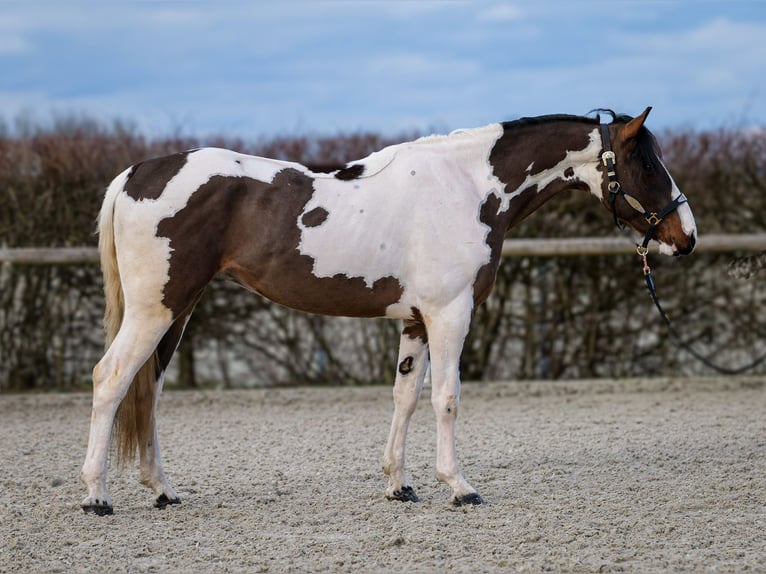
112 377
411 369
152 474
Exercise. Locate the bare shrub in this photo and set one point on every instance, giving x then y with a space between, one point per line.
564 317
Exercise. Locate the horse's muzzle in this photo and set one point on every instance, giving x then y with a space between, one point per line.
686 249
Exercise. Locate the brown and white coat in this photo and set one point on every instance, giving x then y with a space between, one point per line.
412 232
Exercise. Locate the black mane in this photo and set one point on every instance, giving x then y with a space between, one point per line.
538 120
646 146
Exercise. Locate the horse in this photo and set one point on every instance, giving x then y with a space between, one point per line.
412 232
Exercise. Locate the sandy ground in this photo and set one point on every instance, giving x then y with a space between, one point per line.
635 476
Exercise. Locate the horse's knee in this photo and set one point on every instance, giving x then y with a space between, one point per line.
96 374
406 391
445 406
101 372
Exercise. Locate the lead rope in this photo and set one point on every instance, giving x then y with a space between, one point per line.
609 159
683 344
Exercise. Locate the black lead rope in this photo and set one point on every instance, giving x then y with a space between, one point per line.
653 219
683 344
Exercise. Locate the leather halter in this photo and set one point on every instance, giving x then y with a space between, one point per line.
652 218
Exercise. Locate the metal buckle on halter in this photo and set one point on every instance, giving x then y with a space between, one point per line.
608 155
652 219
613 186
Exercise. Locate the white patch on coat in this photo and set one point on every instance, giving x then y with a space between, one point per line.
688 225
398 222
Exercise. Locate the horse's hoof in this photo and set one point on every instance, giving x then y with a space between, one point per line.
405 494
98 509
163 501
473 499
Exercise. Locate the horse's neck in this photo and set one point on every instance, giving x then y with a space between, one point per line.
537 163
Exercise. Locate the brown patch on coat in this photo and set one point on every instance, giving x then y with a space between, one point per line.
405 367
415 328
324 167
524 144
351 172
315 217
148 179
249 230
487 274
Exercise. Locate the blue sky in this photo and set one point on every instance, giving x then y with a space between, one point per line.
258 69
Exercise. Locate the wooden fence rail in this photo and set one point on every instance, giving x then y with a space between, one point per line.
512 247
721 243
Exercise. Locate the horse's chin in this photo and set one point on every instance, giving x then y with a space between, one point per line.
666 249
675 251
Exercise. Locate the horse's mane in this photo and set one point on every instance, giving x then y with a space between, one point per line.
646 145
539 120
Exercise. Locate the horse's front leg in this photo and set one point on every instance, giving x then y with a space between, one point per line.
410 373
446 334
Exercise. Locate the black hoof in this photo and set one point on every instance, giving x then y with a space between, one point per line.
98 510
472 499
163 501
406 494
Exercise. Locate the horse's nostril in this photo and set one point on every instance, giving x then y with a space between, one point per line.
689 246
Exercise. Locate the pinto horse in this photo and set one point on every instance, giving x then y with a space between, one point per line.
412 232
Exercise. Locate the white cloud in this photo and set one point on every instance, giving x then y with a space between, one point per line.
13 44
376 65
713 65
716 42
422 67
500 13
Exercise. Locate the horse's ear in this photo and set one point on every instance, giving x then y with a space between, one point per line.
631 128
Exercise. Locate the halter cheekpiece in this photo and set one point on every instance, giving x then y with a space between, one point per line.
653 218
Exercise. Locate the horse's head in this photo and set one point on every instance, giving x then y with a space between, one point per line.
638 189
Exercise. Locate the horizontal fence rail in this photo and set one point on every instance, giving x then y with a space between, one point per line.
511 248
49 255
713 243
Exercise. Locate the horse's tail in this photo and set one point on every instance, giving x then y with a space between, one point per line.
134 420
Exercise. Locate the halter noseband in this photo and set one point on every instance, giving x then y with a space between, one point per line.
652 218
